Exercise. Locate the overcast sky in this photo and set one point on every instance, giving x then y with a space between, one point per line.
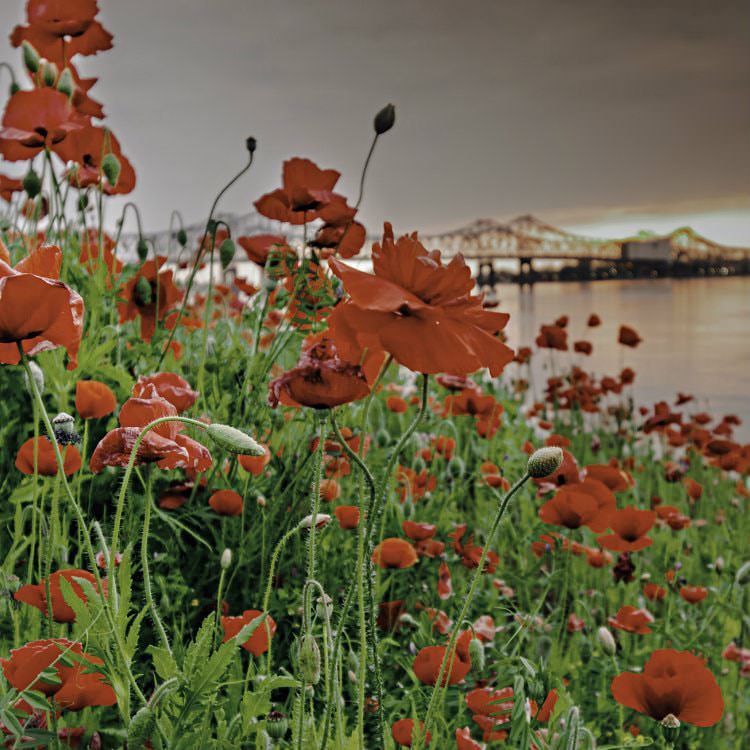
601 114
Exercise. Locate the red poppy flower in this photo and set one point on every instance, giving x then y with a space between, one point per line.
305 190
348 516
593 321
418 531
614 478
632 620
394 553
570 508
94 399
36 310
654 592
464 740
583 347
396 404
339 233
628 337
8 186
142 292
672 682
630 527
552 337
33 121
321 379
256 464
598 558
226 503
60 29
36 594
426 666
74 687
46 461
445 582
257 643
419 310
169 386
389 614
693 594
403 731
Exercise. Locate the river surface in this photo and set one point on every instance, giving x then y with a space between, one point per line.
696 335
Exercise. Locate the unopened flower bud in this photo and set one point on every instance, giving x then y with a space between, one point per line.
49 73
37 374
142 293
233 440
14 88
251 144
226 558
65 84
476 655
182 237
324 606
260 501
385 119
30 57
141 727
544 462
142 249
606 641
111 169
83 202
742 577
226 253
64 426
321 520
276 725
32 183
309 660
382 437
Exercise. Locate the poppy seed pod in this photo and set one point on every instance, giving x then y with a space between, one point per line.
32 183
111 169
142 249
670 728
606 641
544 462
251 144
233 440
276 725
226 558
30 58
226 253
65 429
385 119
49 73
65 85
309 660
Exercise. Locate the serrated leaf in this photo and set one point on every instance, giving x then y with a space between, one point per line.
164 663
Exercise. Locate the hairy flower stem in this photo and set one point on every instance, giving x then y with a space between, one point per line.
438 694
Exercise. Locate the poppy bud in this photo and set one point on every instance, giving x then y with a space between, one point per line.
142 249
30 57
14 88
38 374
65 85
32 183
83 202
476 655
142 292
456 467
182 237
585 652
321 520
352 661
606 641
544 462
233 440
309 660
251 144
743 574
226 558
276 725
111 168
141 727
324 606
49 73
226 253
385 119
260 501
64 427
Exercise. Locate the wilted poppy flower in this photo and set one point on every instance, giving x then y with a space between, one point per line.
144 294
628 337
46 461
348 516
169 386
426 666
257 643
672 682
94 399
394 553
693 594
632 620
305 190
403 731
226 503
420 311
36 310
36 594
445 582
321 379
630 527
73 687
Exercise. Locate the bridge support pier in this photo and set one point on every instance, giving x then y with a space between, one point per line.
487 275
526 273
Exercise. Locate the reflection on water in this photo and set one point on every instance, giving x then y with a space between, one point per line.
696 335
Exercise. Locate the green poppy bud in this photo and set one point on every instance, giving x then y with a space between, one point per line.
111 169
83 202
66 85
476 654
143 294
385 119
38 376
226 558
606 641
14 88
30 57
382 438
141 727
276 725
142 249
32 183
233 440
419 464
585 652
251 144
309 660
226 253
544 462
49 73
456 467
182 237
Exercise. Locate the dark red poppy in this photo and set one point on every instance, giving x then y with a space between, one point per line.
94 399
169 386
593 321
583 347
403 731
552 337
630 527
257 643
672 682
420 311
348 516
226 503
36 594
628 337
427 662
616 479
693 594
632 620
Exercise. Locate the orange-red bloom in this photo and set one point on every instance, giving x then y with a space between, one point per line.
36 594
419 310
632 620
348 516
226 503
403 731
394 553
426 666
169 386
94 399
46 461
672 682
693 594
630 527
628 337
257 643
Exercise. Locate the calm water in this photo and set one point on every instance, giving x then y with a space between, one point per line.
696 335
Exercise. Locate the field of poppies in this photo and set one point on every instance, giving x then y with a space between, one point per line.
322 505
